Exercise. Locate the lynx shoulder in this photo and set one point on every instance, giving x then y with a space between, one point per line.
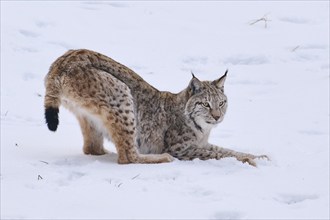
146 125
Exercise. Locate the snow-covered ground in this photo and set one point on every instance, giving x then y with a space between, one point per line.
278 89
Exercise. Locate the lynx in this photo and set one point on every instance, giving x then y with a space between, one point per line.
146 125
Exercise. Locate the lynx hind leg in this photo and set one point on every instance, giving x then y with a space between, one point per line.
93 136
151 158
122 132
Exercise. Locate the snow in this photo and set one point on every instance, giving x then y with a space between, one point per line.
278 90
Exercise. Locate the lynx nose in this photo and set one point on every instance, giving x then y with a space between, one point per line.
215 114
216 117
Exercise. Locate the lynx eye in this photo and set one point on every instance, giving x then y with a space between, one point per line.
206 104
222 103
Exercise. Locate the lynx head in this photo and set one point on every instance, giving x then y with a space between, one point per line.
207 102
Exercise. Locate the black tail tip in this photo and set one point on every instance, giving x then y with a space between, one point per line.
51 115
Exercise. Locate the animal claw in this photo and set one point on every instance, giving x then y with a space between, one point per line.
263 157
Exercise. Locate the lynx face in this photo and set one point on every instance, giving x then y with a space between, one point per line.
208 103
207 107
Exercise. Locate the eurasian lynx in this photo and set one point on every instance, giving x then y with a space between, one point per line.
146 125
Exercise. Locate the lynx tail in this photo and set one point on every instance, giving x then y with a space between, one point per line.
52 100
51 115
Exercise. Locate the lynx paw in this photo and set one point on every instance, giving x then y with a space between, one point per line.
262 157
167 157
163 158
248 160
154 158
97 151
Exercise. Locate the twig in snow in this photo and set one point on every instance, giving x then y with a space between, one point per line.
264 18
44 162
294 49
6 113
135 176
40 177
119 184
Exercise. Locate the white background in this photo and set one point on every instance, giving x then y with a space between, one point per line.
278 90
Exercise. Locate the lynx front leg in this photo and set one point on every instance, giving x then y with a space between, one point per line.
243 157
211 152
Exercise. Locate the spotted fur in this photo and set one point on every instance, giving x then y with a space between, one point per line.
146 125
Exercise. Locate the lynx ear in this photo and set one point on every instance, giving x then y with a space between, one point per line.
194 85
220 82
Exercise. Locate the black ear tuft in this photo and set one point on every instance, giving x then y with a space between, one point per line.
51 115
192 74
221 81
195 85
